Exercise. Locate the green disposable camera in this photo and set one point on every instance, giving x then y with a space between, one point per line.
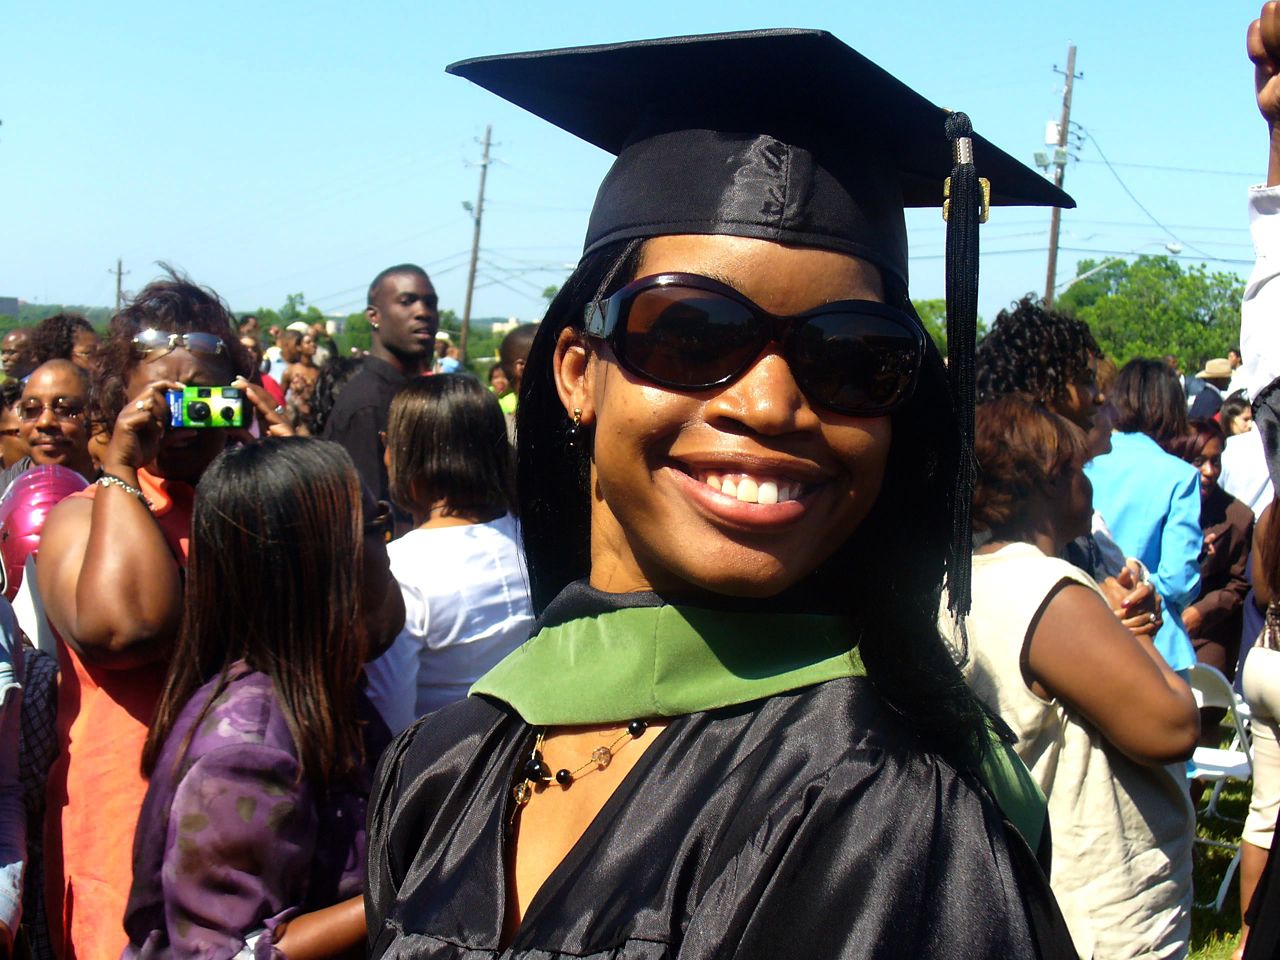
201 407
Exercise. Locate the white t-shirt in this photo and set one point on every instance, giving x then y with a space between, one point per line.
466 600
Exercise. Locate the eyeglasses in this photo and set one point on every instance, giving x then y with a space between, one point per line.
688 332
149 344
381 523
64 409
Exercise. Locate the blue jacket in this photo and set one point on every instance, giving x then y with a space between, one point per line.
1150 501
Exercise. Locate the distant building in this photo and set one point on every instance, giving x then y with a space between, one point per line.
503 327
8 306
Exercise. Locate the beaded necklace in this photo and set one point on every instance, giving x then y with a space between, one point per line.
536 772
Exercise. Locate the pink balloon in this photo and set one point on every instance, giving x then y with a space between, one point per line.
23 510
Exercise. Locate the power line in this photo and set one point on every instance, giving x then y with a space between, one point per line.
1119 253
1124 223
1158 166
1125 187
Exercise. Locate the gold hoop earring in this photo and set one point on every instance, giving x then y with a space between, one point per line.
575 427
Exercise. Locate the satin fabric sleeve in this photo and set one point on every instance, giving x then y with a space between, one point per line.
934 879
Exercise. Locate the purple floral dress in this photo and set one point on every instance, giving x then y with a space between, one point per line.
232 839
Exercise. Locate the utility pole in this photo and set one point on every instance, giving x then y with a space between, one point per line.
1060 166
120 273
476 214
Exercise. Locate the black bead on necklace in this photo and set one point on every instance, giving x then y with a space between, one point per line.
535 771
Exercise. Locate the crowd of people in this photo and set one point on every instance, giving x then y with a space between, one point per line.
720 617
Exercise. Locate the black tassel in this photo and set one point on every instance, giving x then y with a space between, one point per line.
965 208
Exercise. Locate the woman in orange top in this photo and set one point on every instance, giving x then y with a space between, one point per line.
110 578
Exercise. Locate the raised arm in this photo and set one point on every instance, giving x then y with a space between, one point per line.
108 578
1259 328
1264 50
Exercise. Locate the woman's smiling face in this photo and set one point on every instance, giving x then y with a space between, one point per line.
681 481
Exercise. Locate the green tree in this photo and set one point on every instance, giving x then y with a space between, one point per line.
1154 306
933 314
356 332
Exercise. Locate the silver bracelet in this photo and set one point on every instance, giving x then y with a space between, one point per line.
111 480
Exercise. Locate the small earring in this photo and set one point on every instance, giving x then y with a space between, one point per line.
575 427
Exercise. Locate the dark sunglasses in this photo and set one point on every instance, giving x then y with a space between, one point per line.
149 344
688 332
33 408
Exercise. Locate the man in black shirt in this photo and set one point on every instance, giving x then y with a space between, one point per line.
404 313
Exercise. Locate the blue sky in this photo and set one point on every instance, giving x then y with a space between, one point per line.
268 148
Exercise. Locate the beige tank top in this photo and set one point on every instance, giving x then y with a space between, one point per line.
1121 831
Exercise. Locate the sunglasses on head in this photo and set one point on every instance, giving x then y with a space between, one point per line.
150 344
688 332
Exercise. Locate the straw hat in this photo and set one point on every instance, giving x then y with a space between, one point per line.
1219 368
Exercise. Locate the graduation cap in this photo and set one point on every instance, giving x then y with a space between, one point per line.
783 135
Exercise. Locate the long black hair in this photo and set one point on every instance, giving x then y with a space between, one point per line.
274 578
887 577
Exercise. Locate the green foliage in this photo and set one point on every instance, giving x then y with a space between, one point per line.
1153 307
356 333
933 314
29 314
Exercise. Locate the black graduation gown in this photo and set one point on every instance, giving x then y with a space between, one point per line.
810 824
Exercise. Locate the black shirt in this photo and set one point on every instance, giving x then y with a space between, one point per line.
359 417
810 824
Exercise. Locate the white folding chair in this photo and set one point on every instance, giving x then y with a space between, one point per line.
1217 764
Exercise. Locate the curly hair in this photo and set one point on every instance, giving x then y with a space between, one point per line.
174 305
1022 448
1034 351
54 338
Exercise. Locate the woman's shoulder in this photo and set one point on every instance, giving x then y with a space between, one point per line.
1027 566
243 713
436 737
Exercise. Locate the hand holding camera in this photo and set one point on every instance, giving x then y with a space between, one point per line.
138 429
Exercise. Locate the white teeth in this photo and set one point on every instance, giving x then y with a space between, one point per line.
747 489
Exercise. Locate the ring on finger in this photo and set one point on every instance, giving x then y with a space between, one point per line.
140 405
1152 617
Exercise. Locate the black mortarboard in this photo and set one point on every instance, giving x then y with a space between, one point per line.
785 135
